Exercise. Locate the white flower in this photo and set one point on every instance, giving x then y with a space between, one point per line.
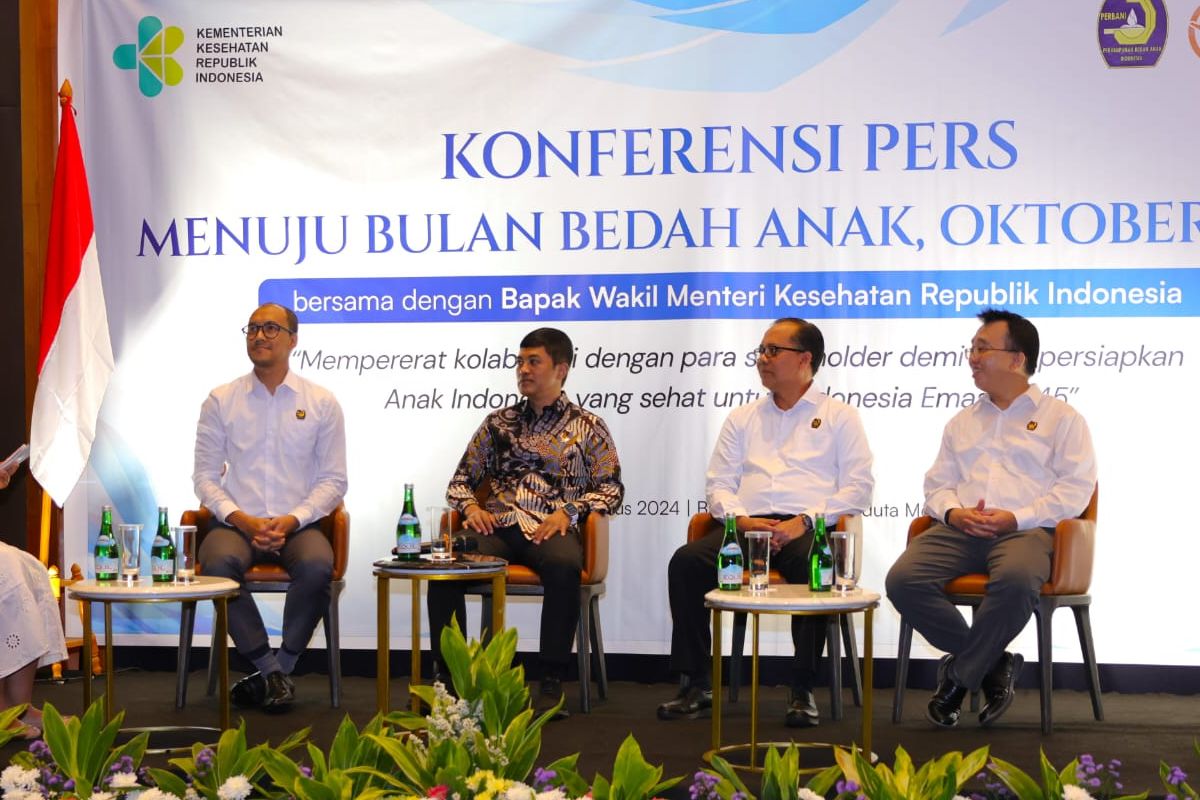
18 779
123 780
235 788
808 794
518 791
551 794
191 794
102 796
156 794
22 794
1075 793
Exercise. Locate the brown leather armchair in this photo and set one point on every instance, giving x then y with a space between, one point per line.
1070 580
273 578
700 526
521 580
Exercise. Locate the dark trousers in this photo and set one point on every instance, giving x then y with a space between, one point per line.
308 558
692 573
1017 564
558 561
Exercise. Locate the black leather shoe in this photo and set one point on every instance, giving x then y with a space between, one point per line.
802 711
280 694
692 702
946 703
549 694
249 691
1000 687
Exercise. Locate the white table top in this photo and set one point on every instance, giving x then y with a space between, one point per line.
203 588
791 597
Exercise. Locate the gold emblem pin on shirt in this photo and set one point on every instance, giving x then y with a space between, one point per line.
300 413
1031 425
816 423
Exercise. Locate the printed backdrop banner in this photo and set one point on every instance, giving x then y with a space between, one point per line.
425 182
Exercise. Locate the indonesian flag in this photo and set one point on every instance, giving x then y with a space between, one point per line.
75 358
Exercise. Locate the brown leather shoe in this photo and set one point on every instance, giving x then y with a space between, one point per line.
692 702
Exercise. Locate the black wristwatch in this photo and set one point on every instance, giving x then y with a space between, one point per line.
572 512
808 523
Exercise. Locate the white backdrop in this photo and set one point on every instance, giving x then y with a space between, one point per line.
427 182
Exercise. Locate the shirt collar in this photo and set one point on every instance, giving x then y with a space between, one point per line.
255 386
811 398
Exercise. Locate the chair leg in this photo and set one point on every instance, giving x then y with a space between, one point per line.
834 646
903 646
600 667
485 619
187 624
212 665
1044 611
1083 624
333 645
736 654
975 694
850 648
583 637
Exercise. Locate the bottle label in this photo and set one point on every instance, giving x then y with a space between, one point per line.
160 541
162 566
730 575
106 565
408 543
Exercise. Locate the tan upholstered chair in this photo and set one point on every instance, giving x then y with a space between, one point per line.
273 578
1070 580
589 640
703 524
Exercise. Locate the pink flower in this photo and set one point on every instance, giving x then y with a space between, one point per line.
438 792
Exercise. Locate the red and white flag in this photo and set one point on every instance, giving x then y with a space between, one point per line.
75 359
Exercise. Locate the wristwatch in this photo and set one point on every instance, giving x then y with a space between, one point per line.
572 512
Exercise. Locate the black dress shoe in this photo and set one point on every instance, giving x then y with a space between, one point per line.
249 691
946 703
280 694
549 694
1000 687
802 711
692 702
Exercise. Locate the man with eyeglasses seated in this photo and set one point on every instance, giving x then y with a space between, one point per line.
270 462
1010 467
779 461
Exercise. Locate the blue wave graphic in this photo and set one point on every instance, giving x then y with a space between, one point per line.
689 45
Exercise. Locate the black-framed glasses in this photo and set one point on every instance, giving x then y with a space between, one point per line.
268 329
983 349
772 350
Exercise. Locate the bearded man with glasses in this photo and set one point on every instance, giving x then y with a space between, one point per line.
779 461
270 462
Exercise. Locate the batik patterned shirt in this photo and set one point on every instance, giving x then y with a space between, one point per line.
538 463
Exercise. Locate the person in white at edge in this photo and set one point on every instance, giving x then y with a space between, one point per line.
270 462
778 461
1010 467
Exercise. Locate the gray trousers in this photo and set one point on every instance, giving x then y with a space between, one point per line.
1017 564
308 558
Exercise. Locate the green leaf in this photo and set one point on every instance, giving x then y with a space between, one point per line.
168 781
1051 783
1016 780
7 718
825 780
972 764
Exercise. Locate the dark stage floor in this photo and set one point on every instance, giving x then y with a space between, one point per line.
1138 729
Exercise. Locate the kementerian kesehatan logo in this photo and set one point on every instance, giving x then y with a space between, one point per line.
151 56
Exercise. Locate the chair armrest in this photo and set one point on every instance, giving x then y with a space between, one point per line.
701 525
595 547
1074 550
201 517
336 527
918 526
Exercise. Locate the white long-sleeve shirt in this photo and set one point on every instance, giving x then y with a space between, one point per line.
271 454
811 459
1034 459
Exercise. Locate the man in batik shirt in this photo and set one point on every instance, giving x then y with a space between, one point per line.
548 464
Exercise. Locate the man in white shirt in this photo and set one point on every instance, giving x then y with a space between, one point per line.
1010 467
270 462
778 461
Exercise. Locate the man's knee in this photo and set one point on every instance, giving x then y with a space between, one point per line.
560 573
223 564
312 573
1015 582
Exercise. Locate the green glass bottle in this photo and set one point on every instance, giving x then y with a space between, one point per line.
105 558
408 529
162 552
729 559
820 558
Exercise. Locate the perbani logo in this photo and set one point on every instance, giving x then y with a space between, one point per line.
151 56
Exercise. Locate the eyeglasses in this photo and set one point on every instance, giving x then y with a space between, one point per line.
772 350
269 329
981 349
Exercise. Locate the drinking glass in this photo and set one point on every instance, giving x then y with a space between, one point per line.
845 546
129 543
440 548
185 553
758 553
